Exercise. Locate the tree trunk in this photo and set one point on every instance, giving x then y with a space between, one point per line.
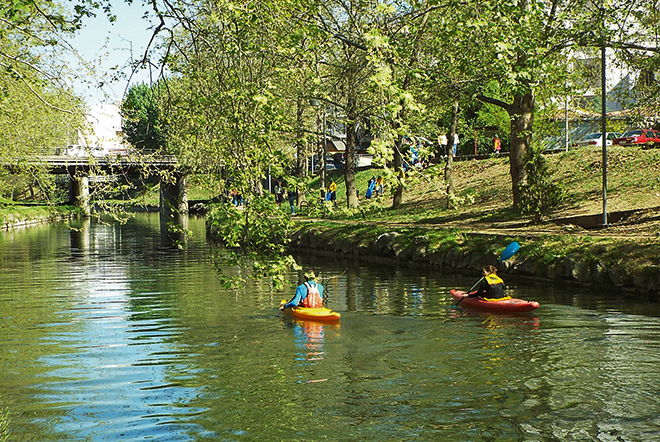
349 172
301 146
521 112
450 155
399 152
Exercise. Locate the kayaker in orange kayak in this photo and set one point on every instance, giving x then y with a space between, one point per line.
308 294
491 287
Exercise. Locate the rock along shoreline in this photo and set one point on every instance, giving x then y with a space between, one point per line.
596 265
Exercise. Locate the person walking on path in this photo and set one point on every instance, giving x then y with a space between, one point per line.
332 192
379 185
292 194
498 145
442 141
279 192
371 186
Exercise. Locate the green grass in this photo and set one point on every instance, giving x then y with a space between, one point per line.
11 213
484 187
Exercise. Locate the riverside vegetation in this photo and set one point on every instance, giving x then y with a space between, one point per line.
624 254
424 232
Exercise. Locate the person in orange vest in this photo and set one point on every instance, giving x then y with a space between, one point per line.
308 294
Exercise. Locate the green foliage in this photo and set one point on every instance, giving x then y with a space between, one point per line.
254 236
38 112
142 123
4 425
541 195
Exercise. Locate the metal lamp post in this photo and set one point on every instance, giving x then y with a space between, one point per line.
604 116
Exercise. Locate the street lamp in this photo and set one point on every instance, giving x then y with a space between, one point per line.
603 103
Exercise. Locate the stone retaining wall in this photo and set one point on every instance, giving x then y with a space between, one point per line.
388 248
11 222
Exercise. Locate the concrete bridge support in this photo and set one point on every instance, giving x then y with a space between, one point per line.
79 193
174 195
174 208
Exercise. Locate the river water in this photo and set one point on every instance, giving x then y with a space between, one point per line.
108 333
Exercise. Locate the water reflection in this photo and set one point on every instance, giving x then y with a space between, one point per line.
173 228
80 234
108 334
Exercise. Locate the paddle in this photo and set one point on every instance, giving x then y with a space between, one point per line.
510 250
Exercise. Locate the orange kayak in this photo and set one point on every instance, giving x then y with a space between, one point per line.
313 314
504 305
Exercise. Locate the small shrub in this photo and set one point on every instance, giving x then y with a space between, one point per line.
539 194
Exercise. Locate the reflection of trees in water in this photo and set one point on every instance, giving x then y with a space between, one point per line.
388 293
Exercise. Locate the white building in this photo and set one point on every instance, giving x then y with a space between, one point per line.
104 129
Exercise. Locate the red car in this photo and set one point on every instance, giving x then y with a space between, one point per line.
648 137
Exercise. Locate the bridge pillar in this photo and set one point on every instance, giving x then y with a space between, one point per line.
79 193
173 209
173 195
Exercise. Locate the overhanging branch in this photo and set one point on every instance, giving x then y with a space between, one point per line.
494 101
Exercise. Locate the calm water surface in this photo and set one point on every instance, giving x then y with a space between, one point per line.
109 334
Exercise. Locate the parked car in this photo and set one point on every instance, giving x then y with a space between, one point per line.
596 139
647 137
98 152
75 151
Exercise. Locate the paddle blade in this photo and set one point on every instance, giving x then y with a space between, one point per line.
510 250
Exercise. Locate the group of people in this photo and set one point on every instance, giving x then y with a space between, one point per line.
374 185
443 142
310 293
278 190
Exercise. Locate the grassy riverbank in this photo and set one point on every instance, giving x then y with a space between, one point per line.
484 222
13 214
483 187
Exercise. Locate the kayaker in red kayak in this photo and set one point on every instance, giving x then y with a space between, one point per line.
308 294
491 287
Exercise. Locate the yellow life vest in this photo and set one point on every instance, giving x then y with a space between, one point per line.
493 279
497 299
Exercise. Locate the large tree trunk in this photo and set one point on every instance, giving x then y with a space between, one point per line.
399 152
450 155
349 172
521 112
301 146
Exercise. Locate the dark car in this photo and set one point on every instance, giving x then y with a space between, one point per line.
646 137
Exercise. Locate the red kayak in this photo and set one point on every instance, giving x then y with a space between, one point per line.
504 305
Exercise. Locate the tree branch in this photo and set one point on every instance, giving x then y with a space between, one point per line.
35 93
495 101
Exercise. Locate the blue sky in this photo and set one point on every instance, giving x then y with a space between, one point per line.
104 45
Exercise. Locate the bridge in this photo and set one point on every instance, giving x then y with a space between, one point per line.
110 164
173 192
